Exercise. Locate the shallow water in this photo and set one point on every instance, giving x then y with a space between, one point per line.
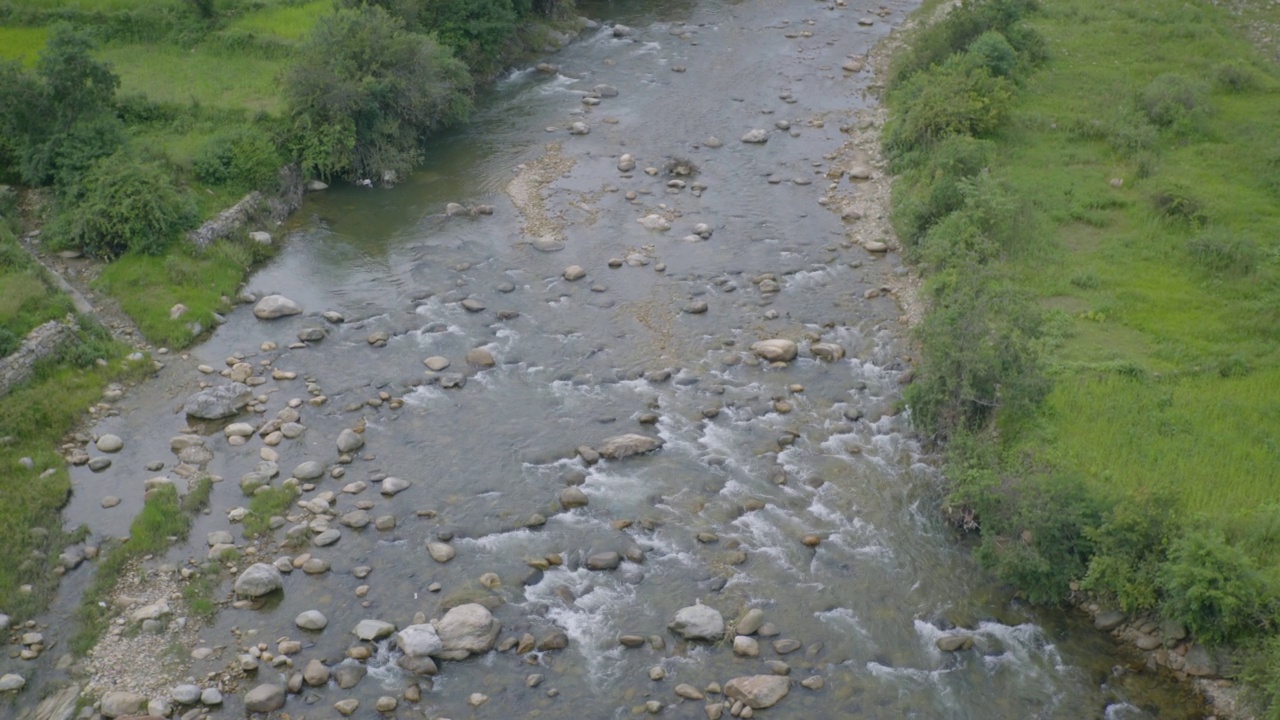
867 604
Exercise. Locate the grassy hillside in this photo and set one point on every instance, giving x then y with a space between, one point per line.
1092 192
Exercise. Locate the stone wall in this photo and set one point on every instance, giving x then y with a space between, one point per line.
39 344
253 208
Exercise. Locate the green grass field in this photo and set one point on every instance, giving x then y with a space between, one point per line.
215 79
287 22
22 43
1185 302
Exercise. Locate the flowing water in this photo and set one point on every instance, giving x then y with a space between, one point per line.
581 361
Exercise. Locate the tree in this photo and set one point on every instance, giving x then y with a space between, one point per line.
61 112
365 93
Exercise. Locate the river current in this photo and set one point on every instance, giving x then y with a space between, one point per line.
755 458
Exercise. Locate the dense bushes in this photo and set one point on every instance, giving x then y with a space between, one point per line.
245 158
968 221
123 205
365 93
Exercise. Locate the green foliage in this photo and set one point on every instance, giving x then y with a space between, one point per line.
1262 681
1130 545
952 100
993 52
1236 76
365 93
266 503
147 286
1212 588
1222 250
1177 202
8 341
61 111
979 354
245 158
931 191
1038 539
477 30
935 44
123 205
989 223
1173 100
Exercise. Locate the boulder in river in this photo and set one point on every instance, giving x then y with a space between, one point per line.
369 629
419 641
758 691
698 622
275 306
624 446
465 630
264 699
257 580
349 441
116 704
831 352
775 350
756 136
218 402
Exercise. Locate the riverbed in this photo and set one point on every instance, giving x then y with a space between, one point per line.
796 488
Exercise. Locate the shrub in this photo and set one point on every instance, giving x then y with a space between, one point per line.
979 353
479 31
935 191
934 44
1177 202
123 205
8 342
1039 541
1211 587
365 93
992 51
1129 546
1260 671
989 224
1236 77
1222 250
244 158
1171 99
950 101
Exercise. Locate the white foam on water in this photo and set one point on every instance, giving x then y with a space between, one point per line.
843 620
648 48
589 620
505 543
422 395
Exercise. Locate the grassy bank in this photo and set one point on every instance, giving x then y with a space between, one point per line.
35 417
1092 193
182 107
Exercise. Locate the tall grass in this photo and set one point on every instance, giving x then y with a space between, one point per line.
22 43
149 286
177 76
288 22
1209 441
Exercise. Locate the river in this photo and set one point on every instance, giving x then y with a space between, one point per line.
755 458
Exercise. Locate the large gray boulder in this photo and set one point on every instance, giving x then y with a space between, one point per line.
775 350
758 691
698 622
349 441
218 402
115 704
419 641
623 446
369 629
275 306
264 699
257 580
468 629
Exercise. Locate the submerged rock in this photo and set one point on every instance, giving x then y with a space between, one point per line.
758 691
218 402
624 446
